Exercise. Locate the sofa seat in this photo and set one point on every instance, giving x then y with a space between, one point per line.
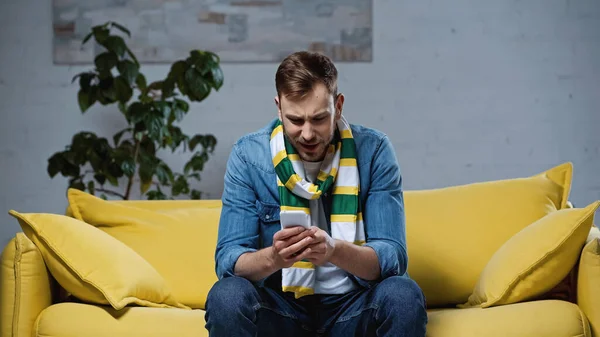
84 320
538 318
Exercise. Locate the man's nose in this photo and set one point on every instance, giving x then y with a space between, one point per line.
307 132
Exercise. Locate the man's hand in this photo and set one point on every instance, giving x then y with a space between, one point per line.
321 248
290 246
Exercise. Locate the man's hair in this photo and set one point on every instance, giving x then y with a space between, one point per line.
299 72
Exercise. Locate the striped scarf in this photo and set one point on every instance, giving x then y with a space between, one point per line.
338 171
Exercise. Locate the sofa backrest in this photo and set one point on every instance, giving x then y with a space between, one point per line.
451 232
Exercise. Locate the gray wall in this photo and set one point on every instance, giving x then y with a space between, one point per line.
467 90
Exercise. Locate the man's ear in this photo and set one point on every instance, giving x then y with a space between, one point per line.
276 100
339 105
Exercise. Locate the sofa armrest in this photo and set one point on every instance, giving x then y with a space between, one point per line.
588 280
25 287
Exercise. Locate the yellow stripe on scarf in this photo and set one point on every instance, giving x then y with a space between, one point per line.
299 291
343 218
346 134
346 217
279 157
294 179
303 265
276 131
292 208
352 190
348 162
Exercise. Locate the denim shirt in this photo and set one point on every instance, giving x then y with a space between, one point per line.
250 213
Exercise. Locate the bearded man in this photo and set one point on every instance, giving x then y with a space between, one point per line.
312 234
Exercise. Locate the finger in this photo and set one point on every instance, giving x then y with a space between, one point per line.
305 254
296 247
281 244
318 248
288 232
318 237
291 240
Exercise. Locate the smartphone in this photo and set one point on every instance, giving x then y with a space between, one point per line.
294 218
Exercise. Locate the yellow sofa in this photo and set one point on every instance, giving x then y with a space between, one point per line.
500 258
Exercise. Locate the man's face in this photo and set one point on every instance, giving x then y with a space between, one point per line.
309 124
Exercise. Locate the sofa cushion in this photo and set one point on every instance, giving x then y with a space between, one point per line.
534 260
178 238
77 319
540 318
92 265
453 232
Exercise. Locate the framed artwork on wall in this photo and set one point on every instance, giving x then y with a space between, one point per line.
163 31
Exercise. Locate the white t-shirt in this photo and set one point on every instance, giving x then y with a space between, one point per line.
329 278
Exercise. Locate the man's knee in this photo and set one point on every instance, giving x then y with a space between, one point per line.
402 294
231 294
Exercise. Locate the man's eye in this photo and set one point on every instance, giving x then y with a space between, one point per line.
296 121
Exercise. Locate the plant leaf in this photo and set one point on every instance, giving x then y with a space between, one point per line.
136 112
121 28
108 92
85 81
128 70
164 173
128 167
100 178
132 56
105 61
196 163
197 139
156 195
86 38
217 77
116 45
55 164
84 100
198 87
146 172
177 70
182 105
180 186
140 81
122 89
101 33
196 195
112 180
168 86
91 187
77 183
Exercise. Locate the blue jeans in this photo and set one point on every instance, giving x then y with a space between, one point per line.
394 307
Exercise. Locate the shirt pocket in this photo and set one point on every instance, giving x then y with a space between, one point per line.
268 213
268 217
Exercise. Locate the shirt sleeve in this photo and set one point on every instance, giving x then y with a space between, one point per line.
384 213
238 225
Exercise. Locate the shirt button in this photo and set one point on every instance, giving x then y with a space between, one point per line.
267 217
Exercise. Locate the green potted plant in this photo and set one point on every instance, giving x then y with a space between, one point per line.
110 167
